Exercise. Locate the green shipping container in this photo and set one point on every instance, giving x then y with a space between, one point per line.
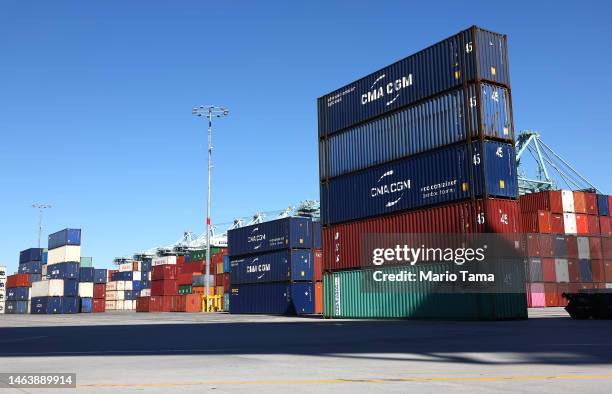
184 289
201 254
86 261
226 301
354 294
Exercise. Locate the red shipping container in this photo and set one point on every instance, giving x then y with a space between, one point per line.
190 268
610 204
574 288
557 225
582 226
597 270
595 249
99 290
548 270
537 222
606 248
155 304
551 294
593 225
318 265
533 245
143 304
562 288
219 280
192 303
180 260
171 303
184 279
605 226
318 298
585 286
573 267
98 305
572 246
164 288
342 242
179 304
547 245
226 281
607 264
109 274
580 205
166 271
18 280
546 201
591 203
600 285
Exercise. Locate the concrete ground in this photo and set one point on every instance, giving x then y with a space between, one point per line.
169 352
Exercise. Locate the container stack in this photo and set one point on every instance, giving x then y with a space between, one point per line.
31 262
2 289
18 294
272 267
92 289
124 287
99 290
569 244
222 282
425 145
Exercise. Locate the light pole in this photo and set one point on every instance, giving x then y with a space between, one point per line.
210 112
40 208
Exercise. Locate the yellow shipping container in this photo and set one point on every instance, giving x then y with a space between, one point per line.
220 268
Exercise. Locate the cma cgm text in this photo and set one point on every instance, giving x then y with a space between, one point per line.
390 88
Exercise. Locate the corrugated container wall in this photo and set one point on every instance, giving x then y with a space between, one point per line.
471 55
272 298
437 122
69 236
443 176
291 232
285 265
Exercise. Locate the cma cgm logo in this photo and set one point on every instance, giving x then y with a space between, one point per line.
256 237
380 89
390 189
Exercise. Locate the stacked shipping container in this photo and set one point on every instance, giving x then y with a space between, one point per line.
422 146
18 294
569 244
124 286
272 267
2 289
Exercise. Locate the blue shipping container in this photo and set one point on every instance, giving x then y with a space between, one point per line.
67 270
123 276
430 125
145 266
280 266
69 236
137 285
100 275
560 246
603 205
286 233
144 284
130 295
447 175
44 256
86 274
17 293
586 275
71 287
226 264
86 305
35 278
465 57
32 254
46 305
70 304
30 267
273 298
316 235
16 307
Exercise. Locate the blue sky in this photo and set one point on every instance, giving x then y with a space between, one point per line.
95 101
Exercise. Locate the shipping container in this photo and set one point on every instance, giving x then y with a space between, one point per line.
561 270
535 270
85 305
46 305
100 275
346 295
126 276
567 198
583 248
559 246
548 270
125 267
569 223
192 303
69 236
17 307
164 287
606 248
67 270
318 298
317 273
17 293
273 298
582 226
86 274
30 267
447 175
473 54
18 280
605 226
603 206
580 203
226 263
316 235
607 264
165 271
70 305
543 201
163 260
32 254
586 276
591 203
557 225
593 225
70 253
99 290
201 254
86 262
279 266
71 288
597 271
573 269
595 248
537 222
342 243
572 246
285 233
86 289
143 304
438 122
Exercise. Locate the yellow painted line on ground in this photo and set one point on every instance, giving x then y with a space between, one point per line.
372 380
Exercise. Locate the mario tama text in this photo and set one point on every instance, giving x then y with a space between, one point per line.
431 276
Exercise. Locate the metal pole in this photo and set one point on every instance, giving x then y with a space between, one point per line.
40 217
210 113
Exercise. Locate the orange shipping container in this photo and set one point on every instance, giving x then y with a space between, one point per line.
580 205
193 303
551 294
319 298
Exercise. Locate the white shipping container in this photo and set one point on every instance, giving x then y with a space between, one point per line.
44 271
111 286
584 250
608 285
1 307
125 267
63 254
569 222
128 305
149 275
561 271
136 275
121 285
164 260
115 295
567 199
110 305
2 272
145 292
48 288
120 305
86 289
